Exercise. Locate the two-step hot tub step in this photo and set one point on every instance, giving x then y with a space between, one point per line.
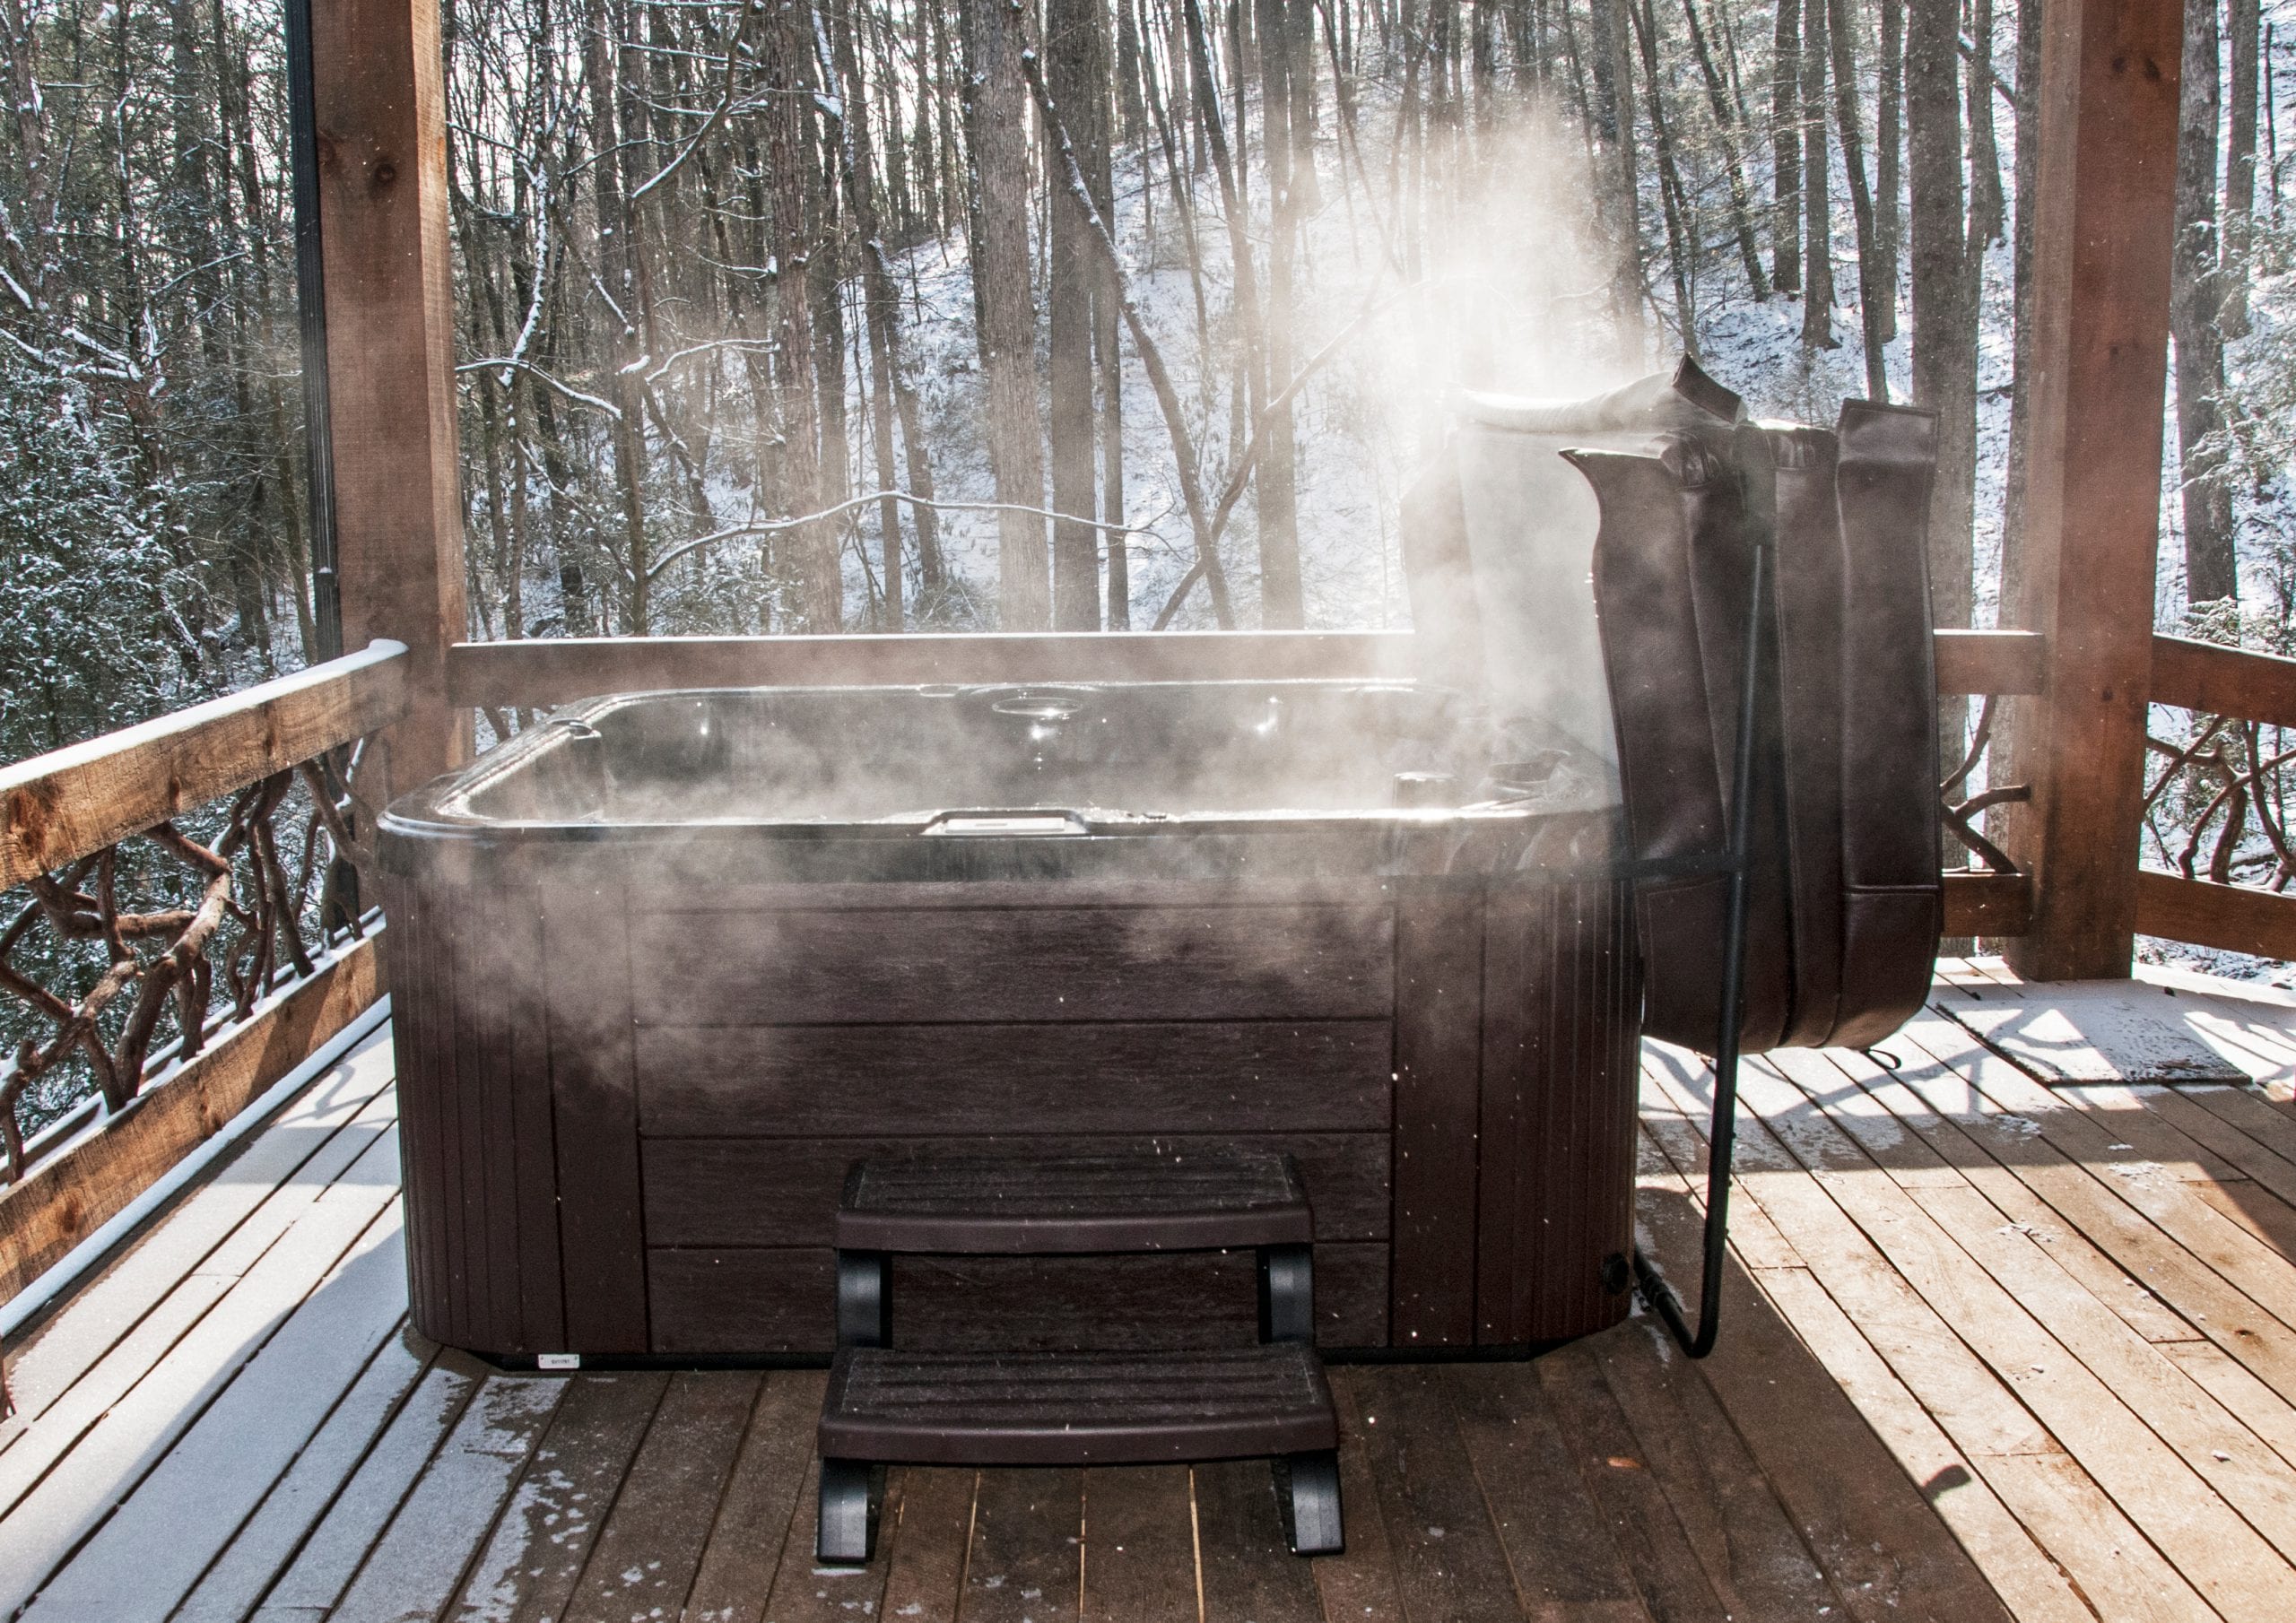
1078 1409
1193 1199
887 1406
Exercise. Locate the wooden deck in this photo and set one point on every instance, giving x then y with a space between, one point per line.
1990 1350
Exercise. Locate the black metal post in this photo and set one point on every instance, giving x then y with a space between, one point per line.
1722 1136
311 303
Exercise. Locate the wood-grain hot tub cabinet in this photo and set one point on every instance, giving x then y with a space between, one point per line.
663 968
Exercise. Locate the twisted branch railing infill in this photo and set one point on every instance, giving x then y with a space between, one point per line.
163 955
2224 768
1959 815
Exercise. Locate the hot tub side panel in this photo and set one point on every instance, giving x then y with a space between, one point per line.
1561 1080
1517 1042
780 1039
626 1112
477 1138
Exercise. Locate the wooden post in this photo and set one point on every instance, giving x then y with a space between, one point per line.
2105 208
381 104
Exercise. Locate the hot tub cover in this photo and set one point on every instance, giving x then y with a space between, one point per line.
1642 570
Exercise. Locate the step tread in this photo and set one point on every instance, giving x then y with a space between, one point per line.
1197 1198
1076 1408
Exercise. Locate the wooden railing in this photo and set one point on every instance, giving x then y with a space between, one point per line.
1989 665
2215 682
2242 686
198 876
542 672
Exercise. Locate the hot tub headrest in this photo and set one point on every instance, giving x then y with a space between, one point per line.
1633 562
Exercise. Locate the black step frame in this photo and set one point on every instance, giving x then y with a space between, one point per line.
1307 1485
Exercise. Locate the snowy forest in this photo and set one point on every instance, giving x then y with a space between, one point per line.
874 314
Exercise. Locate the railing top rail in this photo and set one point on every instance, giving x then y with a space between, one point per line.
2217 681
71 803
548 671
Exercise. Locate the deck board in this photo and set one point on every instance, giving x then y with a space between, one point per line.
1991 1350
416 1566
926 1571
1139 1548
324 1564
530 1568
752 1517
264 1546
273 1173
183 1513
647 1553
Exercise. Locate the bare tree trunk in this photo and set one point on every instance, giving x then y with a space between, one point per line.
2210 571
1984 153
514 597
1300 33
1944 317
617 266
1674 203
2242 22
1107 356
1617 185
1228 168
1873 292
812 549
2271 128
1726 121
1889 133
956 189
1108 317
1280 600
825 301
2028 165
1076 61
997 129
1785 147
1817 186
881 304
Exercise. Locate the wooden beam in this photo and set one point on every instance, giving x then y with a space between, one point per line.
1987 904
1991 662
553 671
69 804
2105 210
542 673
2233 919
2217 681
382 146
64 1199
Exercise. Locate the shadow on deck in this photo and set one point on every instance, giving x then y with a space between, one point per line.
1989 1350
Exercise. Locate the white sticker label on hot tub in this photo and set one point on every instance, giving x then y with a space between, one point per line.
1052 822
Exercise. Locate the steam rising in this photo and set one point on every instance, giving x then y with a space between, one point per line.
1106 752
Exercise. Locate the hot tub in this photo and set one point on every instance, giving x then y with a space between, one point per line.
663 967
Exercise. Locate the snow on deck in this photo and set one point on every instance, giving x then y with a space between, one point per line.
1990 1347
